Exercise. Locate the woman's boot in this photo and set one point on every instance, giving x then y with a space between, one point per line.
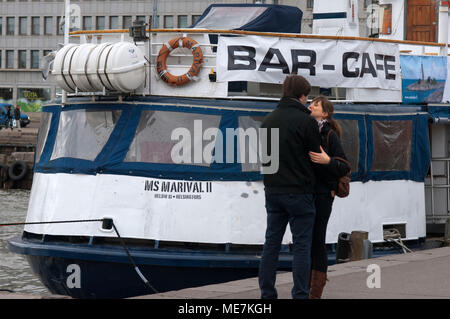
317 282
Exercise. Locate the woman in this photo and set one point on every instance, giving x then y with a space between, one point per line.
327 174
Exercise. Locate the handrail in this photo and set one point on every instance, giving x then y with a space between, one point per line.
433 186
271 34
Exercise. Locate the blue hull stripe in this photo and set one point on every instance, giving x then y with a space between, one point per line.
149 256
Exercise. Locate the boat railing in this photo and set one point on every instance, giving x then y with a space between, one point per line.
180 61
426 46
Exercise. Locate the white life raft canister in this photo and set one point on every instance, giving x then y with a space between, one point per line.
91 67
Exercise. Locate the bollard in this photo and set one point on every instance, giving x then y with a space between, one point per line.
342 248
447 232
357 244
367 249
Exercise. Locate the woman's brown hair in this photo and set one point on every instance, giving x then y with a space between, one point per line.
328 107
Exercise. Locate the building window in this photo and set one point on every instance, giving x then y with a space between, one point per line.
35 25
126 22
22 25
1 26
35 59
114 22
309 4
10 59
6 94
369 2
48 25
195 18
182 21
22 59
140 18
10 25
168 22
46 52
59 27
100 23
0 59
87 23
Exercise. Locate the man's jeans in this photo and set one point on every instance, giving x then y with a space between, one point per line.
299 211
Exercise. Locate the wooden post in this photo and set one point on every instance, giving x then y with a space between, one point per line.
357 244
447 232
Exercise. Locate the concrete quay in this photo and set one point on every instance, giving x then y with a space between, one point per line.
420 275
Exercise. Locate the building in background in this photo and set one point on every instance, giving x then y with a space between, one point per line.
29 29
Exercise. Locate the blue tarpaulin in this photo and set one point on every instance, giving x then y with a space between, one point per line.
251 17
440 114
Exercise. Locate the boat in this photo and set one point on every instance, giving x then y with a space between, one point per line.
144 181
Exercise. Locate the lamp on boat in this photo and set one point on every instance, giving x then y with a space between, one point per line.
137 31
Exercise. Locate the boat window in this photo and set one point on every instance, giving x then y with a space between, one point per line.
249 134
43 132
153 141
83 133
391 145
350 141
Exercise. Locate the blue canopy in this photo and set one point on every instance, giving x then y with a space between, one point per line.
251 17
386 143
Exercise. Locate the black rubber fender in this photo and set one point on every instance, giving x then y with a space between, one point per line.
17 170
3 173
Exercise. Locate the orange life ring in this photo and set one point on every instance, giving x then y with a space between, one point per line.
161 66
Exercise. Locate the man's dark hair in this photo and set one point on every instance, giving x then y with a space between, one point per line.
295 86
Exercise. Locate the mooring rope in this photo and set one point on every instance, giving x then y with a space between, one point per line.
108 223
54 222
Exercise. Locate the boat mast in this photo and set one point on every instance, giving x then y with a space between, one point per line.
66 38
443 26
155 12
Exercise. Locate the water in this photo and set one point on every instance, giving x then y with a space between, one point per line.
15 273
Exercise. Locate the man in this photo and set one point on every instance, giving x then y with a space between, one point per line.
17 117
289 191
8 117
2 113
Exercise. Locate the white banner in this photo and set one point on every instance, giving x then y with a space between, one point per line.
325 63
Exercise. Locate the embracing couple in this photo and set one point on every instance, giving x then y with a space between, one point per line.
301 192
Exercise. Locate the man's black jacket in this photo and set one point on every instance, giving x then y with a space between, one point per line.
16 114
298 134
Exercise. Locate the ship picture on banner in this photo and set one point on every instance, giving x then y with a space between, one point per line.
423 78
